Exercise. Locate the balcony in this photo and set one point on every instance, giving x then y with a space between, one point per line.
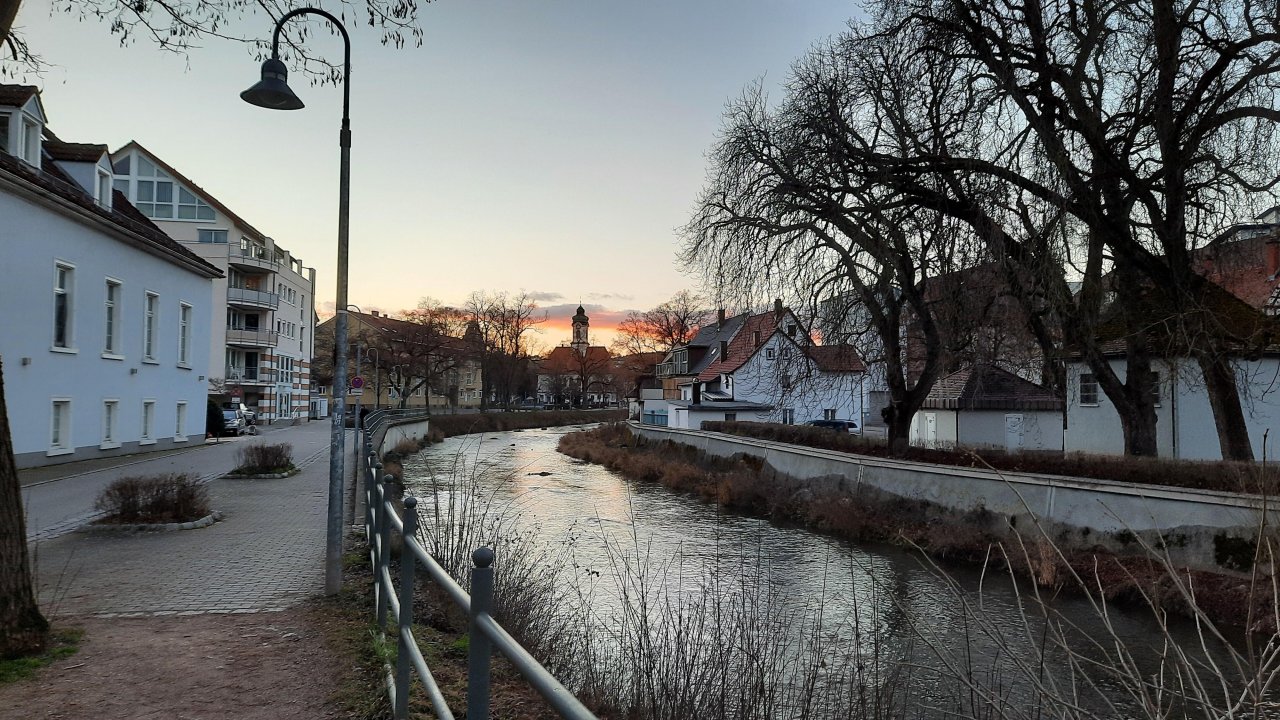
251 260
237 375
252 337
252 298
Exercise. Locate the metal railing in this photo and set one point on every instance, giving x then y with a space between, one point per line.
248 374
247 336
484 633
256 298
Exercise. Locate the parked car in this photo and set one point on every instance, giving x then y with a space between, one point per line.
249 415
235 423
848 426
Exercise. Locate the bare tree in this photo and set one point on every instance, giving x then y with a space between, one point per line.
184 25
23 630
500 323
671 323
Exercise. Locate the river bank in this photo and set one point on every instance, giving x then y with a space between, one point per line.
1141 579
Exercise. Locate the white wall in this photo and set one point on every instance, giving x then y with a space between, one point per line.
1184 420
811 391
36 236
1041 429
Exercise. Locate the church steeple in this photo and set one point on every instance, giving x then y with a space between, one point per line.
580 324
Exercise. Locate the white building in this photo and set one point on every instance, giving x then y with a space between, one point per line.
770 371
105 336
263 335
986 406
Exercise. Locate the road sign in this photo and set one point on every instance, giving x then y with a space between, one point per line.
236 394
357 382
357 391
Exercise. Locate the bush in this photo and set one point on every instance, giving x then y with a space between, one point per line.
1225 476
263 459
167 498
214 423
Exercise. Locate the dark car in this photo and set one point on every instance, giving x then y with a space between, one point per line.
848 426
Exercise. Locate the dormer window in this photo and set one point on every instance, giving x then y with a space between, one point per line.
104 188
30 139
157 195
5 119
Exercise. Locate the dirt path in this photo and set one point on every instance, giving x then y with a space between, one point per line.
268 666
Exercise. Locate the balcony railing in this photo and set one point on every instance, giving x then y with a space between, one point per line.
250 375
254 298
252 337
251 259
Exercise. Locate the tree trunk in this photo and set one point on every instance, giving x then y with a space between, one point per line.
1228 415
23 630
898 430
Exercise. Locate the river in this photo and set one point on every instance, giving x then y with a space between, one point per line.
850 603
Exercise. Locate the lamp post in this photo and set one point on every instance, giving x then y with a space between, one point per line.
273 92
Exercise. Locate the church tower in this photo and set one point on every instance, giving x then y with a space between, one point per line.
580 324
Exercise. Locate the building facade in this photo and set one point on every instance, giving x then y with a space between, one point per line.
262 340
105 341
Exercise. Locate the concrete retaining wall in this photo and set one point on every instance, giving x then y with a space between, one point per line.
395 431
1196 524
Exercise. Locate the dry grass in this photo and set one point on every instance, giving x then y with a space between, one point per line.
154 499
264 459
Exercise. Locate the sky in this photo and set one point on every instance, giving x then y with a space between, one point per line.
548 146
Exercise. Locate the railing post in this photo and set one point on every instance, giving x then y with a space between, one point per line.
478 655
403 665
384 554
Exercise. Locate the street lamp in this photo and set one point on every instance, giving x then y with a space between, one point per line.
273 92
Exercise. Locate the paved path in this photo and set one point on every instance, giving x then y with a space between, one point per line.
266 553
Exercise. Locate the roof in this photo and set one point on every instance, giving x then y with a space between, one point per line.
741 347
565 359
241 222
711 333
17 95
716 406
51 180
987 387
74 152
836 358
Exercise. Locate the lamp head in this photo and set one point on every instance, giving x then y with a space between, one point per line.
272 91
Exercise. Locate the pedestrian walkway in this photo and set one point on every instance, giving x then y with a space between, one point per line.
266 554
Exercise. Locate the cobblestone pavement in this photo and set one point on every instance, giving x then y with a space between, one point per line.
266 554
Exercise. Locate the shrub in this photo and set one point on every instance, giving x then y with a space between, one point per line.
214 423
167 498
262 459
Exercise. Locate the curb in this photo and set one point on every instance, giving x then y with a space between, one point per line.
269 476
203 522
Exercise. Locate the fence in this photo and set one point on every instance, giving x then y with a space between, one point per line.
485 634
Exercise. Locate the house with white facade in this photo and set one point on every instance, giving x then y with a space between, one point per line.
262 340
770 370
105 342
986 406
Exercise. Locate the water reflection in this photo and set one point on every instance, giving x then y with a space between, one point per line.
891 605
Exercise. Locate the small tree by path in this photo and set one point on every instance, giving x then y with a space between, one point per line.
23 630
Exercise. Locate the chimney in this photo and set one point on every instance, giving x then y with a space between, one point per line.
1273 257
697 393
724 349
720 319
777 309
373 313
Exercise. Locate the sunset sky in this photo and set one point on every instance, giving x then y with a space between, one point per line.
544 145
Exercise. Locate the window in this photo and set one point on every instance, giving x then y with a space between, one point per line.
31 141
4 134
157 195
184 334
104 189
768 353
62 305
791 329
829 414
730 417
60 426
148 422
755 337
218 237
1088 389
110 416
1154 380
788 416
180 425
111 344
149 327
786 381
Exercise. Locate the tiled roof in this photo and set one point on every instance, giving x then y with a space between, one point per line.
16 95
125 217
836 358
384 324
712 333
564 360
74 152
741 347
987 387
204 194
